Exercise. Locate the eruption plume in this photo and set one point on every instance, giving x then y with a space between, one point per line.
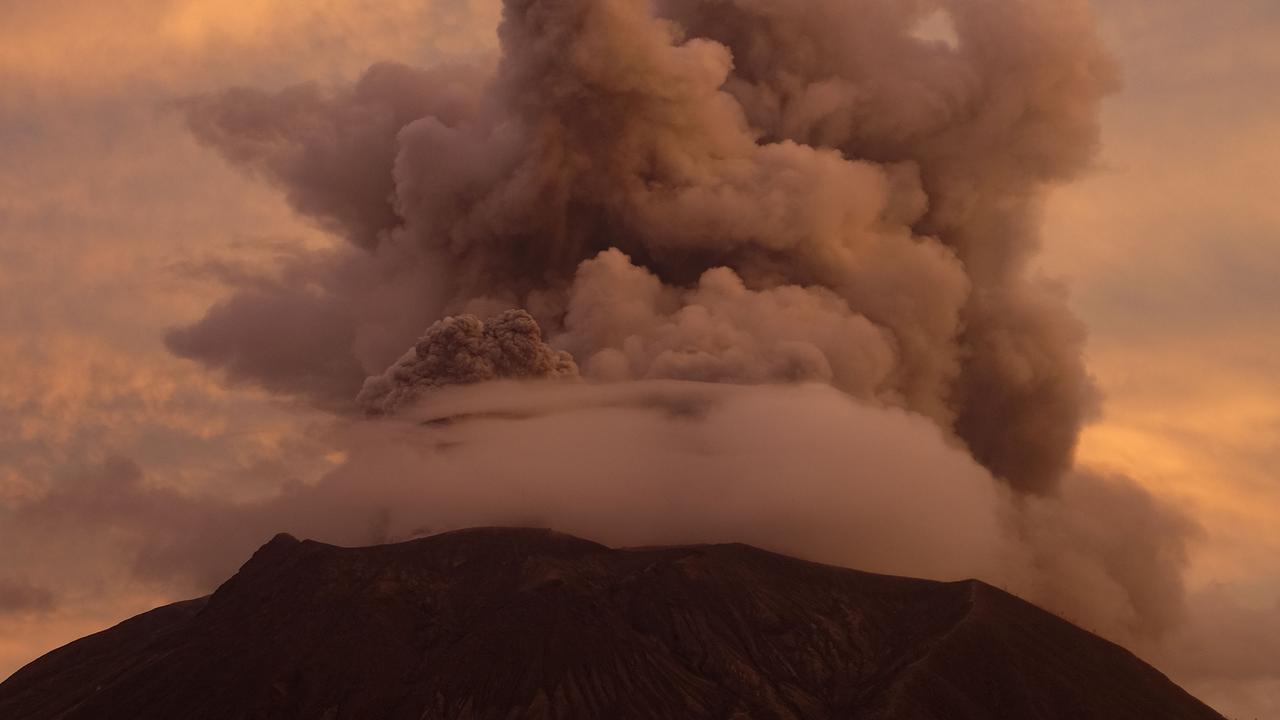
463 350
677 199
785 243
653 272
745 191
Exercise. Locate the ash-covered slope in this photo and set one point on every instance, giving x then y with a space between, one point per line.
503 623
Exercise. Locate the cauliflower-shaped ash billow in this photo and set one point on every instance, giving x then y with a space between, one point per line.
463 350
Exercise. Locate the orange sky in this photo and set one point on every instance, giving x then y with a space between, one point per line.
114 224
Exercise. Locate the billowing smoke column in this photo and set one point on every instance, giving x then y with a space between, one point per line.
742 191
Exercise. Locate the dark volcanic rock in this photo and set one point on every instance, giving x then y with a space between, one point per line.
530 624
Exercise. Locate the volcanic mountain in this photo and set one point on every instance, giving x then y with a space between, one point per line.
514 623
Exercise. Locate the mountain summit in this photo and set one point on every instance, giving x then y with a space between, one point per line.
515 623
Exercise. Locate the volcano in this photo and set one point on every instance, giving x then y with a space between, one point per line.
519 623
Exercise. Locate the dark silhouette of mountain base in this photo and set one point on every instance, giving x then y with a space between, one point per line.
505 623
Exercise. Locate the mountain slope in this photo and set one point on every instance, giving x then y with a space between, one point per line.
505 623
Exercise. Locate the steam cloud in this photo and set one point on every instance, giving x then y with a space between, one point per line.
741 191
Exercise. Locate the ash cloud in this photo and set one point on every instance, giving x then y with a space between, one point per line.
738 191
331 150
786 246
285 339
462 351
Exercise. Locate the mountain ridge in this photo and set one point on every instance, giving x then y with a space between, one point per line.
507 622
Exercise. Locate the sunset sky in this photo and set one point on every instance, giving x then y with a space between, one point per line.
116 225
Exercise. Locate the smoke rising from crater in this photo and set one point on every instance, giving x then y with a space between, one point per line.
462 351
785 246
737 192
744 191
725 193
